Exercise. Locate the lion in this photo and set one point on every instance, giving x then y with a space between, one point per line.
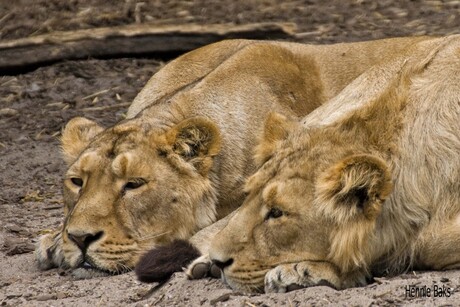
178 162
367 184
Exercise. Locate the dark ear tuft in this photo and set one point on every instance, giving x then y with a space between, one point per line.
354 187
195 137
197 140
160 263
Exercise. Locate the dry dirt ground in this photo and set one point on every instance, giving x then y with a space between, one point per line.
35 105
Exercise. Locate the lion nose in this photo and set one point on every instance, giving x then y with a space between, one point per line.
222 264
83 240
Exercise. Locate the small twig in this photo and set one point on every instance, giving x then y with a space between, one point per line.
39 134
223 298
96 94
5 17
380 280
52 208
307 34
11 80
382 294
153 290
158 300
137 12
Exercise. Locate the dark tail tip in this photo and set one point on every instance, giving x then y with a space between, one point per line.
160 263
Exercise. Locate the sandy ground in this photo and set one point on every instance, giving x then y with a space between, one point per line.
34 106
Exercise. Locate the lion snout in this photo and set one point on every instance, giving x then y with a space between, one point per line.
83 239
222 264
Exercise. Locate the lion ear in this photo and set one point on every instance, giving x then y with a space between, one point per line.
277 128
197 140
354 188
76 136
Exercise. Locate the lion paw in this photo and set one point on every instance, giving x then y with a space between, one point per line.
202 267
289 277
48 252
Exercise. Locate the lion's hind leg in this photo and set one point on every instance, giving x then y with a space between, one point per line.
438 247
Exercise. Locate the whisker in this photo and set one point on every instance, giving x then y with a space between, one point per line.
123 268
154 236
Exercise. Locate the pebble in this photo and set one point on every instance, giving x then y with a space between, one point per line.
4 284
53 167
22 139
44 297
10 296
34 87
13 228
61 295
23 248
221 298
15 246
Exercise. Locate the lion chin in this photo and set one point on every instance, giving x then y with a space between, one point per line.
365 185
179 160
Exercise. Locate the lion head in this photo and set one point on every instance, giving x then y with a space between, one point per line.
308 204
130 187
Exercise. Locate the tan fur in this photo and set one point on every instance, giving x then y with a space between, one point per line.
364 187
178 162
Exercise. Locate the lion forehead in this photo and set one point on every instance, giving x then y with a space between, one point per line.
88 161
132 163
122 162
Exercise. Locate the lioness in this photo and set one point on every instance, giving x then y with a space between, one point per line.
368 184
178 162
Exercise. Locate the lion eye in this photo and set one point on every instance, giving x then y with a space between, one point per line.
131 185
77 181
274 213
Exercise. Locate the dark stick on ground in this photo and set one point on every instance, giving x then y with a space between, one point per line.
126 41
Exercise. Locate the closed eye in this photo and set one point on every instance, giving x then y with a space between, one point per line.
134 184
274 213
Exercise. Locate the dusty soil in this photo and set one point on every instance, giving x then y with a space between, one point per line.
34 107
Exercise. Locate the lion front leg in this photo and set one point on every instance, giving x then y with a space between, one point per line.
293 276
202 266
48 252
